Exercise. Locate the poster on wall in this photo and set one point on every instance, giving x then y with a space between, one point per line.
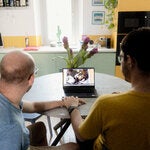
98 17
97 2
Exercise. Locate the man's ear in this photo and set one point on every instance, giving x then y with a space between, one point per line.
31 79
130 61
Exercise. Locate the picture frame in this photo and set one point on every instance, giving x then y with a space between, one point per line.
98 17
98 2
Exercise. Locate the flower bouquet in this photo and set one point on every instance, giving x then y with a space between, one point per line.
74 61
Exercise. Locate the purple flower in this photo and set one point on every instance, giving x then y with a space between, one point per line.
71 51
65 41
86 40
80 58
92 52
85 43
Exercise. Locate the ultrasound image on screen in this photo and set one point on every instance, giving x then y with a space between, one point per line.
76 77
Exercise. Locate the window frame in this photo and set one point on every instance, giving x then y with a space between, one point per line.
75 22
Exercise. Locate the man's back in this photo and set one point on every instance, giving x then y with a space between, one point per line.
123 120
12 129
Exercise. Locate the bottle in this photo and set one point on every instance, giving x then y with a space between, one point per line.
27 2
1 3
11 4
26 41
17 3
14 3
22 3
7 3
4 3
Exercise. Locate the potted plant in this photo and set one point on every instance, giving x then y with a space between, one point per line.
78 59
110 5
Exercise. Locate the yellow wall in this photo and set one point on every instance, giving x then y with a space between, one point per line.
19 41
133 5
119 72
130 5
114 39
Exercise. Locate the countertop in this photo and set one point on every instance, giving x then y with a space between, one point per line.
48 49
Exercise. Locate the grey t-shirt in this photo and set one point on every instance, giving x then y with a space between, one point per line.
13 133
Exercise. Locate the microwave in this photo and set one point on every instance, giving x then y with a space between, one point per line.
128 21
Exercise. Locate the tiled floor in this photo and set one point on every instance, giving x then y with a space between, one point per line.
68 136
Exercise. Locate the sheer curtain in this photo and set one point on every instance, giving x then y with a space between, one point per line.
59 19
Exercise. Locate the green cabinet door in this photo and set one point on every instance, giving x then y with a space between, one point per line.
102 62
49 62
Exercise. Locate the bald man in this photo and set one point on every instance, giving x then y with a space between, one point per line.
17 76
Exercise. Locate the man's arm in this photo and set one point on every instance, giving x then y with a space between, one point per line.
31 107
76 121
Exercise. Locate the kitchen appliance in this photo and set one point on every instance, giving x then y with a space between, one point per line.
128 21
108 42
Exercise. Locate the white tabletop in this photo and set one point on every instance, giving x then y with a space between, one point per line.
49 87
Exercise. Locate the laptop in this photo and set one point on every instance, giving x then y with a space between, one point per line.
79 82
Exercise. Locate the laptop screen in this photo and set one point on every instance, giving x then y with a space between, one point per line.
78 77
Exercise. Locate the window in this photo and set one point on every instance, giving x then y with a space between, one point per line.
61 15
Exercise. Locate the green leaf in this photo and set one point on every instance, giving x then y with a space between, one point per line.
111 26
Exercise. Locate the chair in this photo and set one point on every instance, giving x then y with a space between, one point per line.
33 117
63 124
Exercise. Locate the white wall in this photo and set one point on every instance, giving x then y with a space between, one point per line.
18 21
88 27
29 20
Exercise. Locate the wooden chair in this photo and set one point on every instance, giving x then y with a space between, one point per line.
33 117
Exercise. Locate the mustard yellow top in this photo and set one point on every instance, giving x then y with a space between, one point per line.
119 121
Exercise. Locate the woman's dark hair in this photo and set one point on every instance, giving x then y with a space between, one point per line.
137 45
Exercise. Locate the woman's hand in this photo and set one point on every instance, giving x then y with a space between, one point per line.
73 101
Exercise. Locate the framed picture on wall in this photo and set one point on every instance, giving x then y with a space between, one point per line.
97 2
98 17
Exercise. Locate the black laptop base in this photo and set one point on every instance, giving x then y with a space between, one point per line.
82 95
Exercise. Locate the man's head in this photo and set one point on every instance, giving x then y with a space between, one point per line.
135 50
16 67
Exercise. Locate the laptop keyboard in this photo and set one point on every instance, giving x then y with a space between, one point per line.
82 95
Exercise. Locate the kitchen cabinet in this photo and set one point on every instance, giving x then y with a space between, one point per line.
48 60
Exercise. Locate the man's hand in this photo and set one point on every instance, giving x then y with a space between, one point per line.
115 92
73 101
